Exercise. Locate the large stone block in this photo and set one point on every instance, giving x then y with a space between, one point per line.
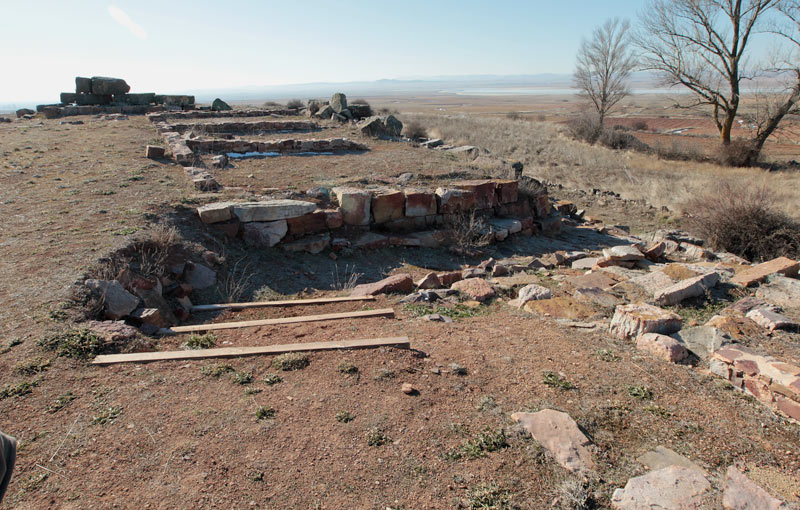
475 288
742 494
83 85
68 97
684 289
759 273
482 190
387 205
420 203
662 346
355 205
141 99
670 488
117 302
311 223
397 283
262 234
506 191
561 436
454 201
632 320
215 213
272 210
105 86
92 99
702 340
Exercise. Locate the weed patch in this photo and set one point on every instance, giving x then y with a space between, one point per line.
290 361
60 402
272 379
107 415
640 392
344 417
554 380
265 413
216 369
76 343
376 437
196 341
242 377
18 390
489 497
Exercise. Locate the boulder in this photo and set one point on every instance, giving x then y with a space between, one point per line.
662 347
102 85
596 279
476 288
117 302
92 100
311 223
325 112
684 289
68 97
635 319
759 273
623 254
742 494
264 233
142 99
381 127
532 292
670 488
371 241
598 297
702 340
338 102
662 457
24 111
199 276
272 210
220 106
449 278
355 205
401 283
154 300
560 435
359 111
150 316
506 191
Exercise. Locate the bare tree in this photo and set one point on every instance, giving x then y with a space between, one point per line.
702 45
604 65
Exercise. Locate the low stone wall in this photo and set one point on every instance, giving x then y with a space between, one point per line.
379 217
769 380
55 111
208 114
247 127
282 146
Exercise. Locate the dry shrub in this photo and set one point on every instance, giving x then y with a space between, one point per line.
736 153
469 233
639 125
272 104
294 104
618 139
586 128
741 218
514 116
415 130
678 150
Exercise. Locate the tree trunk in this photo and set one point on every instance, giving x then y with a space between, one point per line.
772 123
727 125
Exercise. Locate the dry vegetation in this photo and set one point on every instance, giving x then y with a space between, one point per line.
549 154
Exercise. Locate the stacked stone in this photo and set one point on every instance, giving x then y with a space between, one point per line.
207 114
415 212
283 146
771 381
249 127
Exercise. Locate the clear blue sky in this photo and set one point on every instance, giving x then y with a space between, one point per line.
170 46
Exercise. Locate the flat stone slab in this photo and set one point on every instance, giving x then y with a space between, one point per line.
272 210
516 280
532 292
560 435
561 308
264 233
653 282
395 283
623 254
585 263
216 213
598 297
741 493
117 302
662 457
685 289
635 319
780 290
670 488
702 340
200 276
597 279
770 319
756 274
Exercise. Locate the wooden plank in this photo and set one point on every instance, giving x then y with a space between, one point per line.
285 302
233 352
383 312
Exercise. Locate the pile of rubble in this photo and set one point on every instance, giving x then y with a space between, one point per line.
101 94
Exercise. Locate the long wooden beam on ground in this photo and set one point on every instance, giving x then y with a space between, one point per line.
285 302
383 312
233 352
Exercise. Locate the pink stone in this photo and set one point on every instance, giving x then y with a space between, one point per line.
453 201
387 205
395 283
755 274
333 218
632 320
476 288
355 205
482 190
662 346
507 191
420 203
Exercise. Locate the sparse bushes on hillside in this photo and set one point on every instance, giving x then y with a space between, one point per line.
272 104
736 153
294 104
415 130
586 128
740 218
639 125
620 140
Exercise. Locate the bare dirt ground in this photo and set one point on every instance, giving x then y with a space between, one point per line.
169 435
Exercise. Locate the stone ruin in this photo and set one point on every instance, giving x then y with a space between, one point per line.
100 94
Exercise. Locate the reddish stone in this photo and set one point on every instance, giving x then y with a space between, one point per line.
483 191
354 204
755 388
333 218
541 205
527 222
453 201
311 223
420 203
396 283
755 274
662 346
728 354
476 288
795 386
506 191
566 207
230 228
387 205
519 209
655 251
450 278
549 225
788 407
747 366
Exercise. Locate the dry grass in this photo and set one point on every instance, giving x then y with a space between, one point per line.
549 154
